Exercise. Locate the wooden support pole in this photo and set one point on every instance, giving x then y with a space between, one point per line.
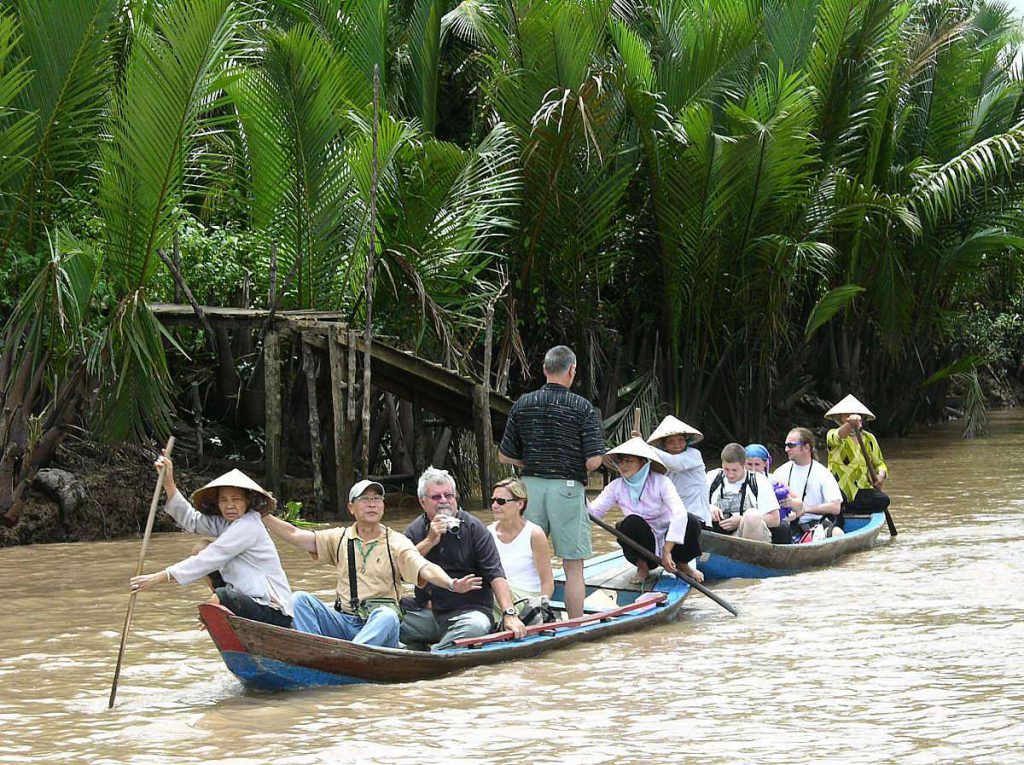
311 367
272 398
176 257
197 415
482 429
211 338
343 470
272 292
370 255
351 358
487 436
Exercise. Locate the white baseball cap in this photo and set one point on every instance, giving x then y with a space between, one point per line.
360 488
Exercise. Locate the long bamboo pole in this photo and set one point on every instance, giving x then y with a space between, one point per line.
138 571
371 252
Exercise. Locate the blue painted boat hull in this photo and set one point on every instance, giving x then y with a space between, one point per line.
271 658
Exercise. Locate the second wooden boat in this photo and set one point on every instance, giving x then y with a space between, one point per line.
726 557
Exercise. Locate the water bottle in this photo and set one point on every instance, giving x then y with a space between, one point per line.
781 492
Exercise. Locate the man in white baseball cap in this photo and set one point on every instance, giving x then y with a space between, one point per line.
371 560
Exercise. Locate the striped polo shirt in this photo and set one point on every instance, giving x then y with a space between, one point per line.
553 431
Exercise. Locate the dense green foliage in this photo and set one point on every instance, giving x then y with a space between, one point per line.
730 206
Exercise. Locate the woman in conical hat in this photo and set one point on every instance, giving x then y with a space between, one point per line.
855 458
228 508
653 514
674 443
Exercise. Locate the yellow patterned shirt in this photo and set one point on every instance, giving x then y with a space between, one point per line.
846 461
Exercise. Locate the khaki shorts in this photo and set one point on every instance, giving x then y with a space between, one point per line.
559 506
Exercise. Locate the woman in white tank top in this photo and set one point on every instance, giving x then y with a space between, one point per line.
522 545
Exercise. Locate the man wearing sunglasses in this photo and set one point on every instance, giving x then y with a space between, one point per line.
813 490
460 544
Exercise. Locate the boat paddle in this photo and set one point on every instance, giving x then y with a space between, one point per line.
138 570
654 560
874 477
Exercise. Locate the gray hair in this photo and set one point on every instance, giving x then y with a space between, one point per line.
558 360
434 475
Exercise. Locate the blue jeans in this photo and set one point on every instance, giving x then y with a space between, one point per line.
317 618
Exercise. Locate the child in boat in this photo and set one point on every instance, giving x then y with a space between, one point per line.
653 514
227 508
759 461
675 444
742 502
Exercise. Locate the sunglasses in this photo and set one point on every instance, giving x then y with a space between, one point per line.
793 444
438 497
501 500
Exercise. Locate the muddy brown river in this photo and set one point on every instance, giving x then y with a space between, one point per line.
909 653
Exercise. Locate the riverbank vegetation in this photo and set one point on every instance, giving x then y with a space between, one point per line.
735 210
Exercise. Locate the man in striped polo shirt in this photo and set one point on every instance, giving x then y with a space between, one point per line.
556 437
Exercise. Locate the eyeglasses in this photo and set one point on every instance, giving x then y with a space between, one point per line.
793 444
438 497
372 500
502 500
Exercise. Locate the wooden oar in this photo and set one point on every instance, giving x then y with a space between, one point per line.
873 476
138 570
654 560
645 602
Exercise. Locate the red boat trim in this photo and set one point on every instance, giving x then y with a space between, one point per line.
215 619
644 602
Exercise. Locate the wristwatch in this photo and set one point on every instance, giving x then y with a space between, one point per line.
451 587
510 611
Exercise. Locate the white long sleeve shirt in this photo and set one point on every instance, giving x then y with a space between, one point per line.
243 552
686 471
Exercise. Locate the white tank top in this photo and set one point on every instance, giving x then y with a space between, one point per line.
517 558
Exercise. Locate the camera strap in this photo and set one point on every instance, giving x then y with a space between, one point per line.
353 588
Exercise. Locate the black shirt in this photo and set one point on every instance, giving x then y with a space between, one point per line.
470 551
553 431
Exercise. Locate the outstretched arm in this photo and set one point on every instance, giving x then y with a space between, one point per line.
304 539
434 574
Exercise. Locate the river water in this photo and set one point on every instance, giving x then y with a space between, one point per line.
911 652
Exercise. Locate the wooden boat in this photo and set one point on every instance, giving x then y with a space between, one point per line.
267 657
724 556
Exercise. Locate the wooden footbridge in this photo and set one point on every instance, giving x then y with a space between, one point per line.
458 400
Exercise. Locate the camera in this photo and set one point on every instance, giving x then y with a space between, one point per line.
454 524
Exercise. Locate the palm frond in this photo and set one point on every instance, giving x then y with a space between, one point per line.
172 71
939 193
424 33
15 124
65 42
831 303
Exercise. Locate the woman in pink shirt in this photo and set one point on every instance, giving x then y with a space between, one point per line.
653 514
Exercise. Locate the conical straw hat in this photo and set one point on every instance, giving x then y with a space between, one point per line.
638 448
849 405
672 426
205 499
